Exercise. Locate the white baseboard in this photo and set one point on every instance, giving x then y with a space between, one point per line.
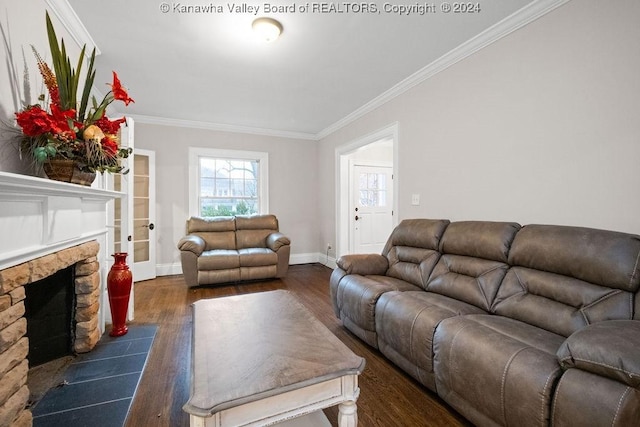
171 269
168 269
325 260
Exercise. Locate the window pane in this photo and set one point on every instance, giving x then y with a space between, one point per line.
251 188
373 181
382 198
382 181
207 187
222 169
362 181
373 198
228 187
364 201
237 187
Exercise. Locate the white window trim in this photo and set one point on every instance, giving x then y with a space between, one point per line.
194 173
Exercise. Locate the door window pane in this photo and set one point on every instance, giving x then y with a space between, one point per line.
373 191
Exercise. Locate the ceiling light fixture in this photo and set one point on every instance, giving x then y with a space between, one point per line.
268 29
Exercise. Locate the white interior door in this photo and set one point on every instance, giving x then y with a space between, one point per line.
372 207
144 213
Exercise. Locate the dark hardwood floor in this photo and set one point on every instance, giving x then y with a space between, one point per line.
388 397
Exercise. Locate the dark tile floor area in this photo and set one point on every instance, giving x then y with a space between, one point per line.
99 386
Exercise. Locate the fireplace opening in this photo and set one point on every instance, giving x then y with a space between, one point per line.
50 312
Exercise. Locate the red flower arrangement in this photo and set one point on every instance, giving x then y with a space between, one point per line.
69 129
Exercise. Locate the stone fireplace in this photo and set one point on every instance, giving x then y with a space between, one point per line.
45 227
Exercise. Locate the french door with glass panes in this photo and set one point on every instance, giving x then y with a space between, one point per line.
138 235
144 228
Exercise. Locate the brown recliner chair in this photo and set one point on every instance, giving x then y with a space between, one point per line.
232 249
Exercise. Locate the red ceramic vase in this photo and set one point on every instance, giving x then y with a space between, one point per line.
119 282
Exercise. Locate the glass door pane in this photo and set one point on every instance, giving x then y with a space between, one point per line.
141 220
117 215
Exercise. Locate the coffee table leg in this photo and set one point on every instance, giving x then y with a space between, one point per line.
348 414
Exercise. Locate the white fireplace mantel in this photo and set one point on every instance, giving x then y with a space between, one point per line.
40 216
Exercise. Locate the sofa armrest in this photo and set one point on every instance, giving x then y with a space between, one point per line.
277 240
610 349
363 264
192 243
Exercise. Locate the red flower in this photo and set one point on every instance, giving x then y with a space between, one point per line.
119 92
34 121
109 126
60 123
110 146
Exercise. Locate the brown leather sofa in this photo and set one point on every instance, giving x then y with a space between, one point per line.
512 326
231 249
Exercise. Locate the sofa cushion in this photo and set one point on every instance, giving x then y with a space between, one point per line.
405 324
252 238
417 233
558 303
609 349
252 231
558 287
606 258
412 249
496 370
218 259
468 279
411 264
210 224
254 257
356 297
473 261
479 239
217 232
257 222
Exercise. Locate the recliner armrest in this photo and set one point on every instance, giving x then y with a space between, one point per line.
610 349
277 240
363 264
192 243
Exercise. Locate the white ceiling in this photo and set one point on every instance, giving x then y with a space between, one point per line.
207 69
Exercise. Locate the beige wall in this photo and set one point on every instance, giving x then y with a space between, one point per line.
292 182
541 127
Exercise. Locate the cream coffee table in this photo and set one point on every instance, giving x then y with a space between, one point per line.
262 359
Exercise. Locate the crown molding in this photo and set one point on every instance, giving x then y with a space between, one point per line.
511 23
194 124
69 19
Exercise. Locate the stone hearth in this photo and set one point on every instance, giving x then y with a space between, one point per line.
14 345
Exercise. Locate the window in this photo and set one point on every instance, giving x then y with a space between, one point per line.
227 182
373 189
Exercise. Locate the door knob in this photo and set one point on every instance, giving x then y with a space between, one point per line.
150 226
357 217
